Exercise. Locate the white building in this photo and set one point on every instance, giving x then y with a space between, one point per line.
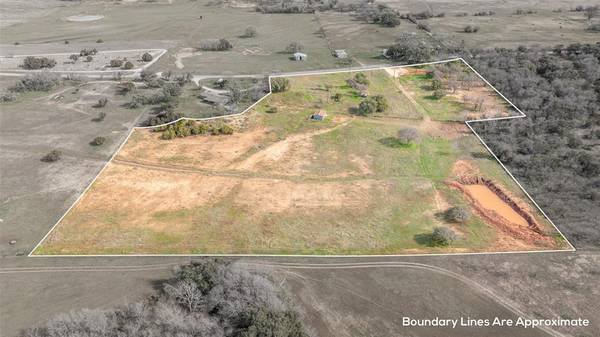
340 53
300 56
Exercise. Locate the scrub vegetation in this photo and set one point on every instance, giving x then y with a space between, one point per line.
554 151
211 298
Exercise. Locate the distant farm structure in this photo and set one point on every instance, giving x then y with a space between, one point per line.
300 56
319 115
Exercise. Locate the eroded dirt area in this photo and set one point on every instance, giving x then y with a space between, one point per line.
506 212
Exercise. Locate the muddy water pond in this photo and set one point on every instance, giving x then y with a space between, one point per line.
489 200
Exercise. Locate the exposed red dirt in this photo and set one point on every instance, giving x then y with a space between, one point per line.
495 204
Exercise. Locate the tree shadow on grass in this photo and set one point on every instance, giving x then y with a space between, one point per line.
432 98
482 155
395 143
424 239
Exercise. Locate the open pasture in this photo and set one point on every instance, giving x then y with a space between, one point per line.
284 183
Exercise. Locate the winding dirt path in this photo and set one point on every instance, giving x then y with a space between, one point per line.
289 268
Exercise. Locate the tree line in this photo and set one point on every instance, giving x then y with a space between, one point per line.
211 298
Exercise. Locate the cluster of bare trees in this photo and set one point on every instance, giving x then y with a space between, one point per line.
294 6
215 44
36 82
554 151
32 63
206 299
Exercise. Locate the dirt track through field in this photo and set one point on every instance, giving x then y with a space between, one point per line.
236 173
277 150
289 268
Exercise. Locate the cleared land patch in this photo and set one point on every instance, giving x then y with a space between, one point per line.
284 182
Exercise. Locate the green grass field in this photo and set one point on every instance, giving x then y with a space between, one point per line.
286 184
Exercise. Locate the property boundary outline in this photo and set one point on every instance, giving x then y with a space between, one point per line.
309 73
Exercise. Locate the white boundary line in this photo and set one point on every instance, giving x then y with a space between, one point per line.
309 73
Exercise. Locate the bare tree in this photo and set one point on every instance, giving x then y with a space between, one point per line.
407 135
187 294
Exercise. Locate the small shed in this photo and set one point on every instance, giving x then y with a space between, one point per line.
340 53
300 56
319 115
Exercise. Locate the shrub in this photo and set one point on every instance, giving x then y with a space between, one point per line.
367 106
436 84
215 45
484 13
162 118
372 104
171 89
263 322
424 26
200 129
99 41
101 102
442 236
223 129
389 19
250 32
188 128
146 75
594 27
381 103
280 84
133 104
52 156
89 58
88 52
439 93
116 63
294 47
126 87
337 97
36 82
98 141
470 29
361 78
7 97
100 117
158 98
32 63
458 214
147 57
407 135
221 83
74 57
128 65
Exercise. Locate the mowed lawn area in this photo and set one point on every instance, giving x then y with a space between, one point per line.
283 183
